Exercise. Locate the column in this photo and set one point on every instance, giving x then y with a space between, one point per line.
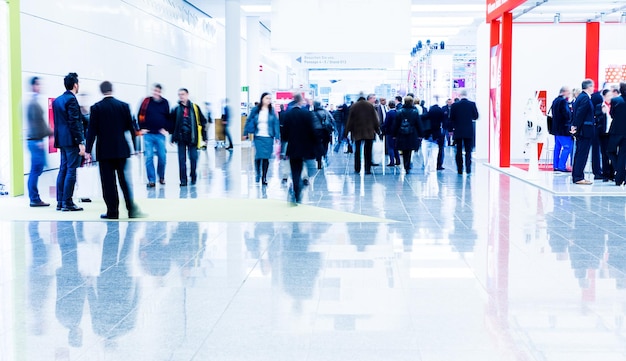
15 178
592 60
253 54
505 101
494 33
233 66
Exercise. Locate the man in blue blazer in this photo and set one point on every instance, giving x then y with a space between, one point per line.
69 137
110 121
583 129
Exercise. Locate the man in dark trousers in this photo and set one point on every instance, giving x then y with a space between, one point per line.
603 123
189 133
110 120
69 137
438 120
226 125
617 132
363 124
301 139
583 129
462 116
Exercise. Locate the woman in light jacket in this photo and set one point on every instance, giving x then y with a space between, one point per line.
263 123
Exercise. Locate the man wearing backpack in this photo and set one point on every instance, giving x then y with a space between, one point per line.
406 131
323 124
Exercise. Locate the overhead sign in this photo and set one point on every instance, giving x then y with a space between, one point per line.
497 8
344 60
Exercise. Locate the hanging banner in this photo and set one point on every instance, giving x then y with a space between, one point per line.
496 8
495 89
51 148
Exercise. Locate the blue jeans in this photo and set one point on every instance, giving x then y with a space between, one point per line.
562 151
154 143
66 180
37 163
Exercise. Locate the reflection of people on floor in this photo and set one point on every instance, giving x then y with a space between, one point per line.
113 299
464 236
40 280
187 248
71 292
586 248
154 250
300 267
362 234
263 235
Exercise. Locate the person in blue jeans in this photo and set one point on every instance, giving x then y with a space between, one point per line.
560 128
38 129
154 120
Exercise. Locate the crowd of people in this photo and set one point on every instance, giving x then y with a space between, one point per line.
303 130
593 122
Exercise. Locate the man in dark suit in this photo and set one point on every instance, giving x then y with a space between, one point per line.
617 132
69 137
583 129
437 119
603 122
109 122
462 116
301 140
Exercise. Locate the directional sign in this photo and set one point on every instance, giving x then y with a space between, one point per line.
344 60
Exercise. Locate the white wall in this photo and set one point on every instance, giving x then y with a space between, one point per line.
132 43
4 94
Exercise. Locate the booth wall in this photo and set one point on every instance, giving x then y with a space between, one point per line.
4 95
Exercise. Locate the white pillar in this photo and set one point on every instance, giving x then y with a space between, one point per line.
253 37
233 66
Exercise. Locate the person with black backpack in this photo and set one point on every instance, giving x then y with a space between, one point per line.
323 123
406 131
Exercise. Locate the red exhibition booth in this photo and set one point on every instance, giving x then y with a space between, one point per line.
500 17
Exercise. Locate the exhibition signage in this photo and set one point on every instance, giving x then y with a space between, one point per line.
497 8
51 147
344 60
495 91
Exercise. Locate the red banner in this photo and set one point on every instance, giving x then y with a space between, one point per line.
496 8
51 148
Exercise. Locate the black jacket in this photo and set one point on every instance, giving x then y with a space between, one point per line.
462 116
583 116
68 125
618 113
601 120
437 119
299 134
109 121
561 117
177 116
407 141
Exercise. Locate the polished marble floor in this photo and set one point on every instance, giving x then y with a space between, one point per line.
482 267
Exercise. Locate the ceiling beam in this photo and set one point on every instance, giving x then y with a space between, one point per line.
529 9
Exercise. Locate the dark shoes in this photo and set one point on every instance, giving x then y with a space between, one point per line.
441 168
71 208
40 203
137 214
162 182
151 185
106 216
183 184
305 182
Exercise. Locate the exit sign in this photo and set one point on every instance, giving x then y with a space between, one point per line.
245 89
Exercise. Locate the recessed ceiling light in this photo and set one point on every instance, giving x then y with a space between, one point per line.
449 8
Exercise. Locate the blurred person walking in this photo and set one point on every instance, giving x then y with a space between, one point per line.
110 120
37 130
392 149
406 130
363 125
154 120
189 133
301 142
264 124
463 114
69 137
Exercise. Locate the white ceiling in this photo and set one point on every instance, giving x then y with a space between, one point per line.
455 21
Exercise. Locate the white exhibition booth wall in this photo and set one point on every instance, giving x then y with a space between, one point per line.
4 95
545 57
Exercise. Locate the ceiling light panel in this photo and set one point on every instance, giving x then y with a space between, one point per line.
442 21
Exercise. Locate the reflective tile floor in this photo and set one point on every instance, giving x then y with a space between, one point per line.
481 267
